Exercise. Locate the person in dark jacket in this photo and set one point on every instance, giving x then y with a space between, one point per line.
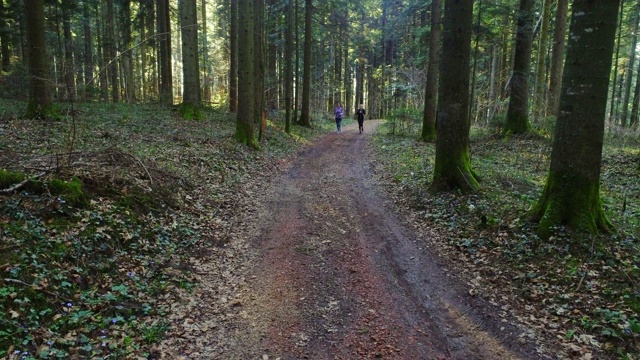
339 113
360 115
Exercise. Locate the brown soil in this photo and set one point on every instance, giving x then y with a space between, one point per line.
324 268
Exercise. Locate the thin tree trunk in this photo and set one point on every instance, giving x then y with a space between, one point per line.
472 94
69 78
5 38
557 56
233 58
110 44
630 66
614 84
541 63
102 55
431 90
305 117
206 76
272 69
518 110
127 55
288 54
88 54
164 40
258 65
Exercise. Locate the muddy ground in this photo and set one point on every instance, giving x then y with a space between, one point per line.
321 266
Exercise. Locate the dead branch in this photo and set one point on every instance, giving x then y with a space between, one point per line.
21 184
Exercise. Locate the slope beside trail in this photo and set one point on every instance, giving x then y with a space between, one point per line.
325 269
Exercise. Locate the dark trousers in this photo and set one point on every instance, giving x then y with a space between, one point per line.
339 123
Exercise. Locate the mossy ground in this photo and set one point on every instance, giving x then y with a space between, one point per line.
572 285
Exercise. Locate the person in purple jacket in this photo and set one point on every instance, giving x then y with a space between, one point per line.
339 113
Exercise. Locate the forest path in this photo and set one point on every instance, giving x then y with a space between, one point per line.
334 274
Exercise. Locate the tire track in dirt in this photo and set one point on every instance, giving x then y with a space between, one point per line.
337 276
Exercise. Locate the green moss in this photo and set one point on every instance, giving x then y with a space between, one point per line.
40 111
8 178
571 201
190 112
454 172
71 191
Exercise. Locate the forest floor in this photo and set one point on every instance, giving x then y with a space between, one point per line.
329 270
126 232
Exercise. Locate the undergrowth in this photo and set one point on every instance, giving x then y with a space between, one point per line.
582 290
90 257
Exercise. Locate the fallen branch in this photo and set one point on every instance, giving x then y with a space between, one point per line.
21 184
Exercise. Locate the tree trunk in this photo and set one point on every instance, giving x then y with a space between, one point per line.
288 54
246 113
272 69
557 56
614 85
571 196
541 68
431 90
630 66
472 95
206 76
517 113
258 64
69 78
233 58
127 54
633 121
112 61
452 167
102 54
305 117
164 40
88 54
5 37
39 105
189 108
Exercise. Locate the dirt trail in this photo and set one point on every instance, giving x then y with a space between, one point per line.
334 274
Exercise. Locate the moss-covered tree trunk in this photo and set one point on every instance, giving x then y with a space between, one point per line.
452 168
246 87
305 116
571 196
517 112
431 91
39 105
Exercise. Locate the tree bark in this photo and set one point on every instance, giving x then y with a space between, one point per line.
431 89
112 62
541 68
69 78
452 166
189 108
630 66
233 58
305 117
517 112
272 68
164 40
571 196
206 76
614 99
88 54
557 56
127 54
39 105
5 37
246 113
288 54
258 64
